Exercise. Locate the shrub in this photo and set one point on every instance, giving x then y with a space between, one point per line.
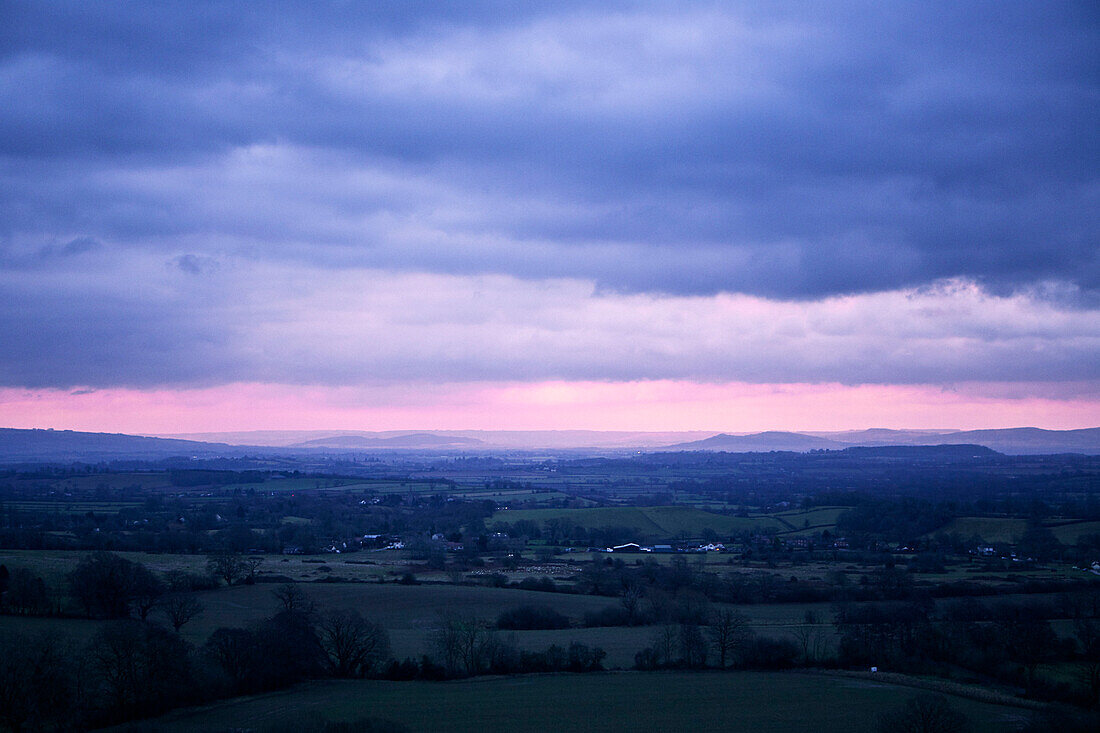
610 616
532 617
765 653
927 712
543 584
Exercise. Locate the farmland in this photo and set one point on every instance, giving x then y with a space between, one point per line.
645 522
661 701
754 564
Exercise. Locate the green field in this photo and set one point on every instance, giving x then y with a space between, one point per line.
54 565
810 521
392 605
660 522
634 701
1071 532
1007 530
69 507
990 529
409 612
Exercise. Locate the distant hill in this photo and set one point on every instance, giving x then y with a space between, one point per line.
1011 441
954 452
760 443
18 445
489 439
69 445
885 436
1030 440
413 440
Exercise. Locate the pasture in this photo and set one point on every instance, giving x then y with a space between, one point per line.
659 522
409 612
755 702
990 529
1009 530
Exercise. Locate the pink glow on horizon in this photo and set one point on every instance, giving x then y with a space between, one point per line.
650 405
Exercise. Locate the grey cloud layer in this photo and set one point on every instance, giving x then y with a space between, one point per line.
297 325
195 194
786 152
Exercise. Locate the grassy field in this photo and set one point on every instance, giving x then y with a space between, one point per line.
809 521
990 529
54 565
997 529
648 522
75 630
409 612
392 605
1070 532
69 507
638 702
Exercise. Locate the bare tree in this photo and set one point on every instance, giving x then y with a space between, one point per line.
179 608
631 600
811 638
728 632
36 682
146 589
693 647
250 566
294 598
665 642
466 645
226 566
103 582
138 667
353 644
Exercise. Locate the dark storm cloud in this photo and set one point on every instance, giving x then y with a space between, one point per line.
201 193
784 150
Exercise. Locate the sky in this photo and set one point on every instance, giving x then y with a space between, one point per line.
651 216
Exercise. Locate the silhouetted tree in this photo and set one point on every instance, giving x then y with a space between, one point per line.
465 644
693 647
354 645
105 583
225 565
728 632
179 608
36 687
139 669
294 598
250 566
146 590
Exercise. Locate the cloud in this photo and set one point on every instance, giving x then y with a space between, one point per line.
778 151
195 264
128 321
397 195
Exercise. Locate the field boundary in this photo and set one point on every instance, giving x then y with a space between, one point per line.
959 689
